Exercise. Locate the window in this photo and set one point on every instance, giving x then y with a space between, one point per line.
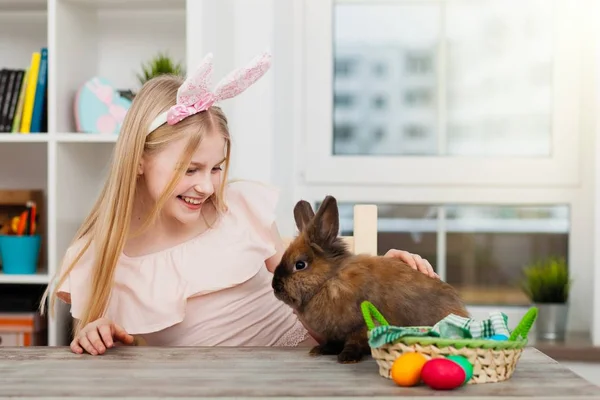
494 84
379 102
380 69
344 100
418 97
479 249
345 67
418 64
483 138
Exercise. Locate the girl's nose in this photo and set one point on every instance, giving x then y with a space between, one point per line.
204 188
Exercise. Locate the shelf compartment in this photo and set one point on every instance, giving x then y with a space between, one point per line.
81 171
111 40
23 6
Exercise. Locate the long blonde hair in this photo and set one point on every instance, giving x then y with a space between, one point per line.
108 221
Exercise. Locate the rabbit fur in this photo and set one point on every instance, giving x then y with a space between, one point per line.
325 284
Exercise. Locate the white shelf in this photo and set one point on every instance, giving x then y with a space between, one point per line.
84 138
59 137
130 4
41 278
23 138
85 38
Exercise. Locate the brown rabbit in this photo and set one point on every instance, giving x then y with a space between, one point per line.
325 284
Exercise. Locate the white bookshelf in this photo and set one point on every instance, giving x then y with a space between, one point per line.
85 38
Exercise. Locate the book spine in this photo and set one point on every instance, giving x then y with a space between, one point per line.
4 123
16 126
40 91
30 93
3 84
14 100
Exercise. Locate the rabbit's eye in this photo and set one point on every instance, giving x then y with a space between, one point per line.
299 265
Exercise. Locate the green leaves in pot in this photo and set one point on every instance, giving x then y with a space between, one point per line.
547 281
159 65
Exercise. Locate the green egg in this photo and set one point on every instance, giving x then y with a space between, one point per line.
464 363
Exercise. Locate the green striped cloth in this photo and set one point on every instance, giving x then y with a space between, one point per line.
451 327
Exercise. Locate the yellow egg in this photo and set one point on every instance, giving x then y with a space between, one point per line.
406 369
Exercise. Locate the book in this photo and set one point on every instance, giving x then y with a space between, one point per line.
24 96
4 73
16 124
30 92
40 93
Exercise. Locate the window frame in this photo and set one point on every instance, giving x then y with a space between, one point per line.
561 168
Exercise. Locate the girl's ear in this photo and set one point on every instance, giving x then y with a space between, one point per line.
140 168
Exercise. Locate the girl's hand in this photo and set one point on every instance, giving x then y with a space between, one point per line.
414 260
98 336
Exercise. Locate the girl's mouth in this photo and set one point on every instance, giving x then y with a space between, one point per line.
191 202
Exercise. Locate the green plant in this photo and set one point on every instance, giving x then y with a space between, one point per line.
547 281
159 65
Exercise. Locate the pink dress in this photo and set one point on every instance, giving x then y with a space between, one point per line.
213 290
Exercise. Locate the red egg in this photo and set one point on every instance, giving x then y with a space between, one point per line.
442 374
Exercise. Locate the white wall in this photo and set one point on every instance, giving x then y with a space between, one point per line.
265 122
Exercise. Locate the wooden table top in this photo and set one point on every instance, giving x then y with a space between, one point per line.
273 373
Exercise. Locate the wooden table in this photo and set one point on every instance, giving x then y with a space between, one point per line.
271 373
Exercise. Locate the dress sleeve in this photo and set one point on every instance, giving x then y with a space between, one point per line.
74 290
257 204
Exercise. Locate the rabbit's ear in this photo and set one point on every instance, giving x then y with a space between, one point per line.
327 221
303 214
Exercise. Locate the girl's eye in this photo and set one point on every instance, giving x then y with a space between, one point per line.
191 171
217 169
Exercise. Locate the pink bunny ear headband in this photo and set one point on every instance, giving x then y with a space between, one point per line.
195 96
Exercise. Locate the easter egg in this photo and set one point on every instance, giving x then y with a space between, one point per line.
443 374
497 337
464 363
406 369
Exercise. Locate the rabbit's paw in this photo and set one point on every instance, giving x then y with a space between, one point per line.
327 349
350 354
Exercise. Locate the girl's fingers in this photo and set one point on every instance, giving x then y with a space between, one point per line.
420 263
106 335
85 343
424 266
75 347
415 261
121 335
432 273
403 255
94 338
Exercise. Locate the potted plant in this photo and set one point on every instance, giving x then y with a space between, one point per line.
547 284
158 65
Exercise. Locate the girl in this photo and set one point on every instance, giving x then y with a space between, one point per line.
170 254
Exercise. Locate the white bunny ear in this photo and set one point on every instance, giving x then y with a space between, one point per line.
240 79
196 85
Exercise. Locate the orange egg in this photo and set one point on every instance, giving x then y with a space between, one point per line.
406 369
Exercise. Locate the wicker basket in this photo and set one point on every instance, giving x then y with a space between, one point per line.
492 360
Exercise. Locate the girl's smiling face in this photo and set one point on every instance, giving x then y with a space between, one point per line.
201 179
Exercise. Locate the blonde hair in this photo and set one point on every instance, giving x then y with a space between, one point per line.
108 221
